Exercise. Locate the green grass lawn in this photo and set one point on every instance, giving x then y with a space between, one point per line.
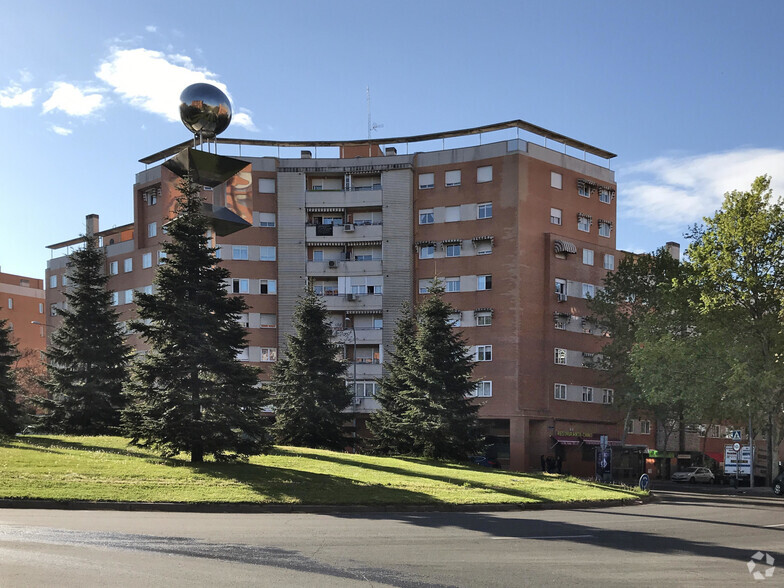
107 468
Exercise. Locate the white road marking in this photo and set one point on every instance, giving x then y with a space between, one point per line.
545 537
771 526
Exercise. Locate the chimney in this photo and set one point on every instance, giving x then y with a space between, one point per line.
305 154
92 224
390 151
674 249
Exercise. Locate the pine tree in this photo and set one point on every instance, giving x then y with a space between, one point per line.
87 357
387 423
190 393
9 409
432 411
309 390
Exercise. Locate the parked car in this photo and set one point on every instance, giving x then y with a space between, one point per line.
481 460
778 484
694 474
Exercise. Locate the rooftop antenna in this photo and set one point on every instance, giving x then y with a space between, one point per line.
371 125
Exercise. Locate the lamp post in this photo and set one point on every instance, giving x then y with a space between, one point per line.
354 331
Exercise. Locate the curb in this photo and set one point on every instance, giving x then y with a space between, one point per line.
247 507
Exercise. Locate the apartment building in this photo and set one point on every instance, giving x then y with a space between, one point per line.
521 234
22 303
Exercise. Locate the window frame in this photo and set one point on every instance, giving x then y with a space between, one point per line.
484 207
484 353
560 391
559 356
426 216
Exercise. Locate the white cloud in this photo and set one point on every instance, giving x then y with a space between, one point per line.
61 130
153 81
13 95
675 191
151 28
244 120
73 101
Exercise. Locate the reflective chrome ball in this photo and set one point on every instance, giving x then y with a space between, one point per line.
205 110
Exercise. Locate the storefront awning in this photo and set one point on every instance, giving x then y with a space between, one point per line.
566 440
717 455
596 441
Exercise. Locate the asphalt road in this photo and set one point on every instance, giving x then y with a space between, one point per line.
689 538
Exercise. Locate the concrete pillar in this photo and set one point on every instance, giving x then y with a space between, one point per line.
518 437
91 222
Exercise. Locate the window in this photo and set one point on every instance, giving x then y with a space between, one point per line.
588 291
484 353
266 186
560 288
53 309
268 286
456 319
53 280
318 255
269 354
243 320
555 216
243 354
239 286
426 217
484 282
484 174
587 394
484 319
453 284
609 261
128 296
607 396
147 260
584 189
484 247
452 178
363 389
452 214
114 268
152 229
560 356
161 257
424 286
115 298
267 321
150 195
560 392
427 251
10 304
583 223
267 253
65 280
645 427
218 253
266 219
484 389
588 256
484 210
605 229
630 426
147 289
128 265
40 308
239 252
453 250
604 195
556 180
426 181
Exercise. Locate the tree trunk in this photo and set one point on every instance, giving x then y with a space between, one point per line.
769 464
197 447
681 433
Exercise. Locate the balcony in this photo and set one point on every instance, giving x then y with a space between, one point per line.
344 302
364 336
344 268
361 232
343 198
363 404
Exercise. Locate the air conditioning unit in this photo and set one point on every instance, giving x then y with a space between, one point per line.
350 297
333 264
560 296
348 228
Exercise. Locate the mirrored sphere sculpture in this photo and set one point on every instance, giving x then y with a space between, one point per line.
205 110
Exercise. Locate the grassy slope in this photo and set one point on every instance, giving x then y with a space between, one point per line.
107 468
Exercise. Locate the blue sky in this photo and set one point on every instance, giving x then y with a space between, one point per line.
688 94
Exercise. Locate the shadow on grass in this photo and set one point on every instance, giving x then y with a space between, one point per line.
289 486
49 445
454 475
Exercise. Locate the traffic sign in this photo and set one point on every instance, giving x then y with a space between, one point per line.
645 481
736 446
735 435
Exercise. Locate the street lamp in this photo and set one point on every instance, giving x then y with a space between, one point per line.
354 331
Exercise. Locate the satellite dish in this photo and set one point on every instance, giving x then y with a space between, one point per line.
205 110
